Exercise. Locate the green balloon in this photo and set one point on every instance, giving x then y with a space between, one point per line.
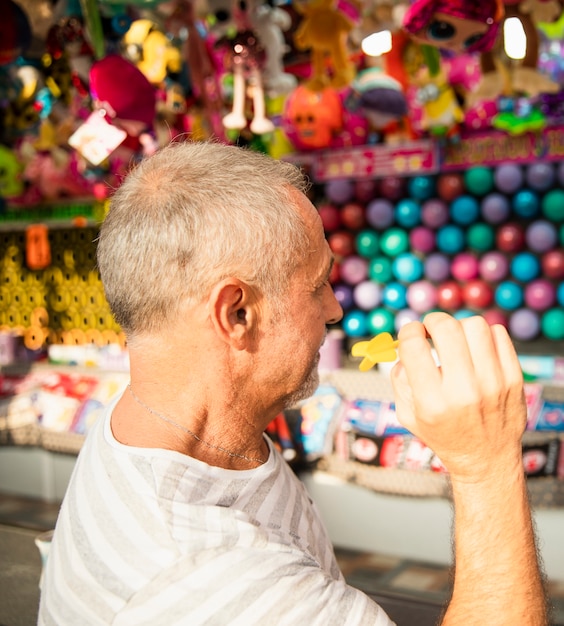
380 269
481 237
367 243
380 321
479 180
552 324
553 205
394 241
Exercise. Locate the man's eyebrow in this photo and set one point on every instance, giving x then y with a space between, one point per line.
329 269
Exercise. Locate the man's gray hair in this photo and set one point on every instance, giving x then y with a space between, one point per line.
191 215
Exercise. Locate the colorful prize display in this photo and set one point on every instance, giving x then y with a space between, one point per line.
487 240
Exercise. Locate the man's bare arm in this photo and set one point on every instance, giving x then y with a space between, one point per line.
471 412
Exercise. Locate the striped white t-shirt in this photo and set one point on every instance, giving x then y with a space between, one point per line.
154 537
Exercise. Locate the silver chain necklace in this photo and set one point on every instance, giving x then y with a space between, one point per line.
167 419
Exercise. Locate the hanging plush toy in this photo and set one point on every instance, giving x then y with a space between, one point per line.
441 113
379 96
269 22
312 119
203 73
324 30
15 32
245 57
523 78
455 25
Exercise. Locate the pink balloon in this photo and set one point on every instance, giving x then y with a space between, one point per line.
422 239
493 266
421 296
354 269
495 316
464 266
540 294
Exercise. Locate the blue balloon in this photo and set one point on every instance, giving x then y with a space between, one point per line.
355 323
509 295
463 314
421 187
395 296
526 203
464 210
560 294
407 213
450 239
525 266
407 267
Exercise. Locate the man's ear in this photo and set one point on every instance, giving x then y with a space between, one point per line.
232 309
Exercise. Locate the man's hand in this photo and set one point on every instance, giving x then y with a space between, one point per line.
471 409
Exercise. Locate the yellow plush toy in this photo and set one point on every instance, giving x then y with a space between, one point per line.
324 30
441 112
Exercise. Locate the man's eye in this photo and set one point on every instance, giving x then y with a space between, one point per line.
441 31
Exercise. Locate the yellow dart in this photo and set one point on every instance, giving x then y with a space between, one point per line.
380 349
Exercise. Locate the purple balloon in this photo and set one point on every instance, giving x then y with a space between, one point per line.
380 213
540 176
524 324
367 295
434 213
541 236
508 177
437 267
540 294
493 266
405 316
344 295
339 191
495 208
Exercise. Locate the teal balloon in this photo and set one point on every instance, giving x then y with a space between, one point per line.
552 324
421 187
380 269
355 323
407 267
367 243
380 320
480 237
479 180
552 205
394 241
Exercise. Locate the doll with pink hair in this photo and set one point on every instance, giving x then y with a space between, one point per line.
460 26
455 25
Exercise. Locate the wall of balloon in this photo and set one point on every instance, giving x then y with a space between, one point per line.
488 240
